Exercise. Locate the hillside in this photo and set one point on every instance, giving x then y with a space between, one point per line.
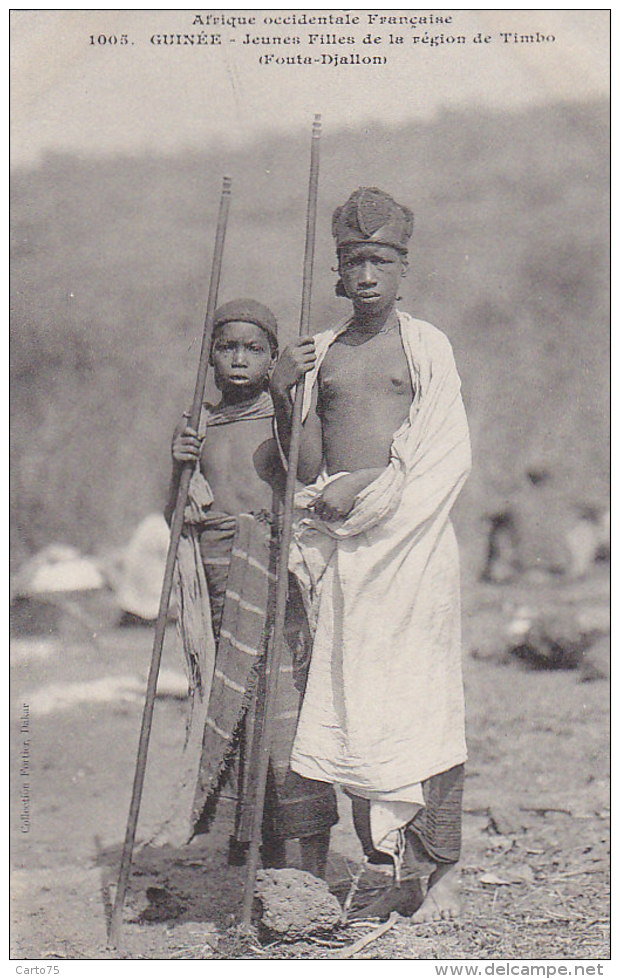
110 269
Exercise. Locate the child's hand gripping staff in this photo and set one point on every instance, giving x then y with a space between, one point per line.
186 450
185 445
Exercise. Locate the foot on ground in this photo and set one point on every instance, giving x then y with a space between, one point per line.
442 901
404 899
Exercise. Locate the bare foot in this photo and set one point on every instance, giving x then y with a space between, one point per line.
404 899
442 901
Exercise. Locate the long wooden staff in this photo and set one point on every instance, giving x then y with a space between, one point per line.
275 649
175 534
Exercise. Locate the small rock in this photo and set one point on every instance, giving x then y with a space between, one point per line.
504 821
494 880
520 873
516 874
294 904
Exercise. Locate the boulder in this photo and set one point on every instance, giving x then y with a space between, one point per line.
293 904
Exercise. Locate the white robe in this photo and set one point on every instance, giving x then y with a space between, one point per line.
383 708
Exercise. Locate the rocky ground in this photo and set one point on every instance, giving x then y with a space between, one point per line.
535 868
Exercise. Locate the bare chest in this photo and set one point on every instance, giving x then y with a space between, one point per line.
375 372
241 463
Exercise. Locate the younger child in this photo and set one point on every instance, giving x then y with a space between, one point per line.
225 585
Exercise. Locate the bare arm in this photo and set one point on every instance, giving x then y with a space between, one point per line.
296 361
338 497
185 449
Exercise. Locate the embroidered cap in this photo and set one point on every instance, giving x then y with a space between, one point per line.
371 215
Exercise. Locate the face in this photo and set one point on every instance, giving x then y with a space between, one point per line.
242 357
371 275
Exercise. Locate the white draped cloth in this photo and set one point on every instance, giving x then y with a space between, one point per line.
383 708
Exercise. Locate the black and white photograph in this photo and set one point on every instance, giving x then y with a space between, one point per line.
310 487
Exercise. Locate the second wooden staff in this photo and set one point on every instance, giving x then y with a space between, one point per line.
275 649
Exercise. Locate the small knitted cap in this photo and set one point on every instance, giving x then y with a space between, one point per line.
371 215
247 311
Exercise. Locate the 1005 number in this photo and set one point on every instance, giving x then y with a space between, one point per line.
109 39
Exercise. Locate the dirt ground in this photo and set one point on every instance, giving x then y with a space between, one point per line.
535 865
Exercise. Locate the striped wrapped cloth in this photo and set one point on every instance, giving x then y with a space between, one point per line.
239 557
245 616
435 830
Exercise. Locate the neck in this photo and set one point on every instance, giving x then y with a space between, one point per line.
370 323
240 396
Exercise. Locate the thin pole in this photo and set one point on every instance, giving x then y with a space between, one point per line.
162 615
275 650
